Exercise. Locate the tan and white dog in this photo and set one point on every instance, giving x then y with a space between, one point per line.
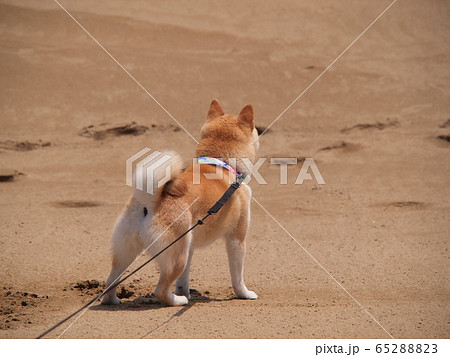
157 220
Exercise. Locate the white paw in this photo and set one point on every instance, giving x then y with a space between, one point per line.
110 300
247 295
179 300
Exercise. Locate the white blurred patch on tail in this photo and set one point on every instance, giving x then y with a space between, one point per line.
152 172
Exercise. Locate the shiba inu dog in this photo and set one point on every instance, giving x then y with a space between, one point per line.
156 220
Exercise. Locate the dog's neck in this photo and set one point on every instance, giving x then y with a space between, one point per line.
236 162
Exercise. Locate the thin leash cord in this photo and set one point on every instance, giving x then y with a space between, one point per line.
217 206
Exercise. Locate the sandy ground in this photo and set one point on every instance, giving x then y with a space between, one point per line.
376 124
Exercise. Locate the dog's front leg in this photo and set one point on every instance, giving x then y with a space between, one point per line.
236 254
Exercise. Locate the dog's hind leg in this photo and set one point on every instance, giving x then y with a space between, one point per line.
182 284
172 263
126 247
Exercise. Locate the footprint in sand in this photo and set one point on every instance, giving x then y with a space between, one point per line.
407 204
8 175
343 146
76 204
401 204
23 145
444 138
379 126
445 125
104 131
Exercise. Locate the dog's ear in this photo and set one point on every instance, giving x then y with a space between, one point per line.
246 117
215 110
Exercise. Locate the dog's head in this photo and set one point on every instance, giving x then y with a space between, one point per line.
227 135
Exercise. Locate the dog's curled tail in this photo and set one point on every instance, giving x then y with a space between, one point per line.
159 176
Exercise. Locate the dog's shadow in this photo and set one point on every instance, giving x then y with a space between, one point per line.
149 302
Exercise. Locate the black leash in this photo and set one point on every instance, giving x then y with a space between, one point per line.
213 210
